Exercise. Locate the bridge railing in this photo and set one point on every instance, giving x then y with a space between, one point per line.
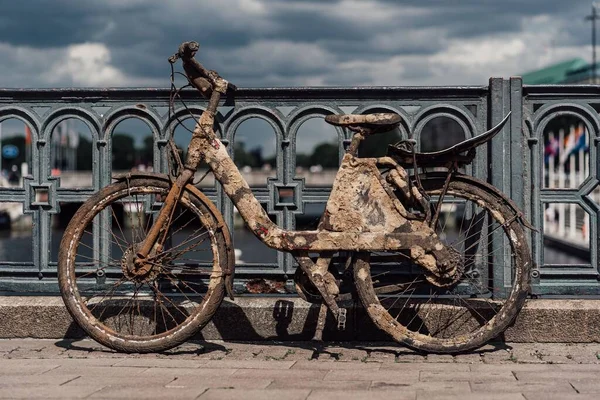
514 162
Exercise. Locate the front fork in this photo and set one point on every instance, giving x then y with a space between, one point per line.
158 233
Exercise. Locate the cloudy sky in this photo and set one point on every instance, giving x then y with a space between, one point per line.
56 43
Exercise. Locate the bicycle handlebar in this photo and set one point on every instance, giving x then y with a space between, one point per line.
201 78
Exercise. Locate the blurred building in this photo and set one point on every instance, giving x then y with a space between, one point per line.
574 71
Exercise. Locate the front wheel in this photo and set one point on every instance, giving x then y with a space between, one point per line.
492 280
148 309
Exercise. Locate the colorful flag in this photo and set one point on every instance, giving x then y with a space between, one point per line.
27 135
551 149
574 142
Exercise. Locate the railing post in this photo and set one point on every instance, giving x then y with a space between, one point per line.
507 157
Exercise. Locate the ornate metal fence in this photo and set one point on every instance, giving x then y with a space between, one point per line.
514 161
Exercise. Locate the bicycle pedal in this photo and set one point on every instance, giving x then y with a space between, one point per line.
341 319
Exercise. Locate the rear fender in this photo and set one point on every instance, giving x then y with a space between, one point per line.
487 187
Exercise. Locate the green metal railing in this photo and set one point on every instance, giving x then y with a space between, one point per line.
514 161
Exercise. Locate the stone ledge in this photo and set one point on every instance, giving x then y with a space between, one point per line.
290 318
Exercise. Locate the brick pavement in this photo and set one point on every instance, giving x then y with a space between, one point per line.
268 370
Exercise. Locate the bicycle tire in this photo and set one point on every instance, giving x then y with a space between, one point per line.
436 333
184 293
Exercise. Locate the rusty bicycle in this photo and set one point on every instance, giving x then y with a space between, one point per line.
419 250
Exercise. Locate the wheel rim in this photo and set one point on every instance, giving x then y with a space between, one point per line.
146 307
452 318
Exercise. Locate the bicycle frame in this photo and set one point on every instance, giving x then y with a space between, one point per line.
362 213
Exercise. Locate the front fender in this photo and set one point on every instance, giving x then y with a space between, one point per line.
229 265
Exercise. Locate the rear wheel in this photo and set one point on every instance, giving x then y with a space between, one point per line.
490 286
142 309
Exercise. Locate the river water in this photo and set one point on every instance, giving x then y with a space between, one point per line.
16 246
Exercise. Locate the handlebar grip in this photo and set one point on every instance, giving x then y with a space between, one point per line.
199 76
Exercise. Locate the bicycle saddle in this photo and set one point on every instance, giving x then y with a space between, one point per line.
380 122
462 152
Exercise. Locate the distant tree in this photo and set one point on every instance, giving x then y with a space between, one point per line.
84 154
325 155
257 158
243 158
272 161
302 160
147 151
377 145
123 152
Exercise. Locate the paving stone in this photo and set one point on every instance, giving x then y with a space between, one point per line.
177 372
545 371
221 382
299 354
160 362
469 358
499 357
520 387
35 380
11 344
337 365
360 395
403 357
76 363
81 344
112 354
579 367
213 355
587 386
583 353
250 364
529 353
514 367
28 362
559 396
429 387
95 370
276 353
278 374
544 376
470 396
449 376
31 369
382 356
120 380
425 367
319 384
148 392
273 394
343 354
237 351
439 358
49 392
408 376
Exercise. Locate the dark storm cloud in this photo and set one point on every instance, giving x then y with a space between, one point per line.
142 34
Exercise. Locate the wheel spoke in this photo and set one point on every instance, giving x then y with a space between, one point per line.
143 304
436 317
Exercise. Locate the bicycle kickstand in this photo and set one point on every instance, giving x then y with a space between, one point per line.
321 323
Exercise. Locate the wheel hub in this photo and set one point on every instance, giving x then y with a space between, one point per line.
450 270
144 273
